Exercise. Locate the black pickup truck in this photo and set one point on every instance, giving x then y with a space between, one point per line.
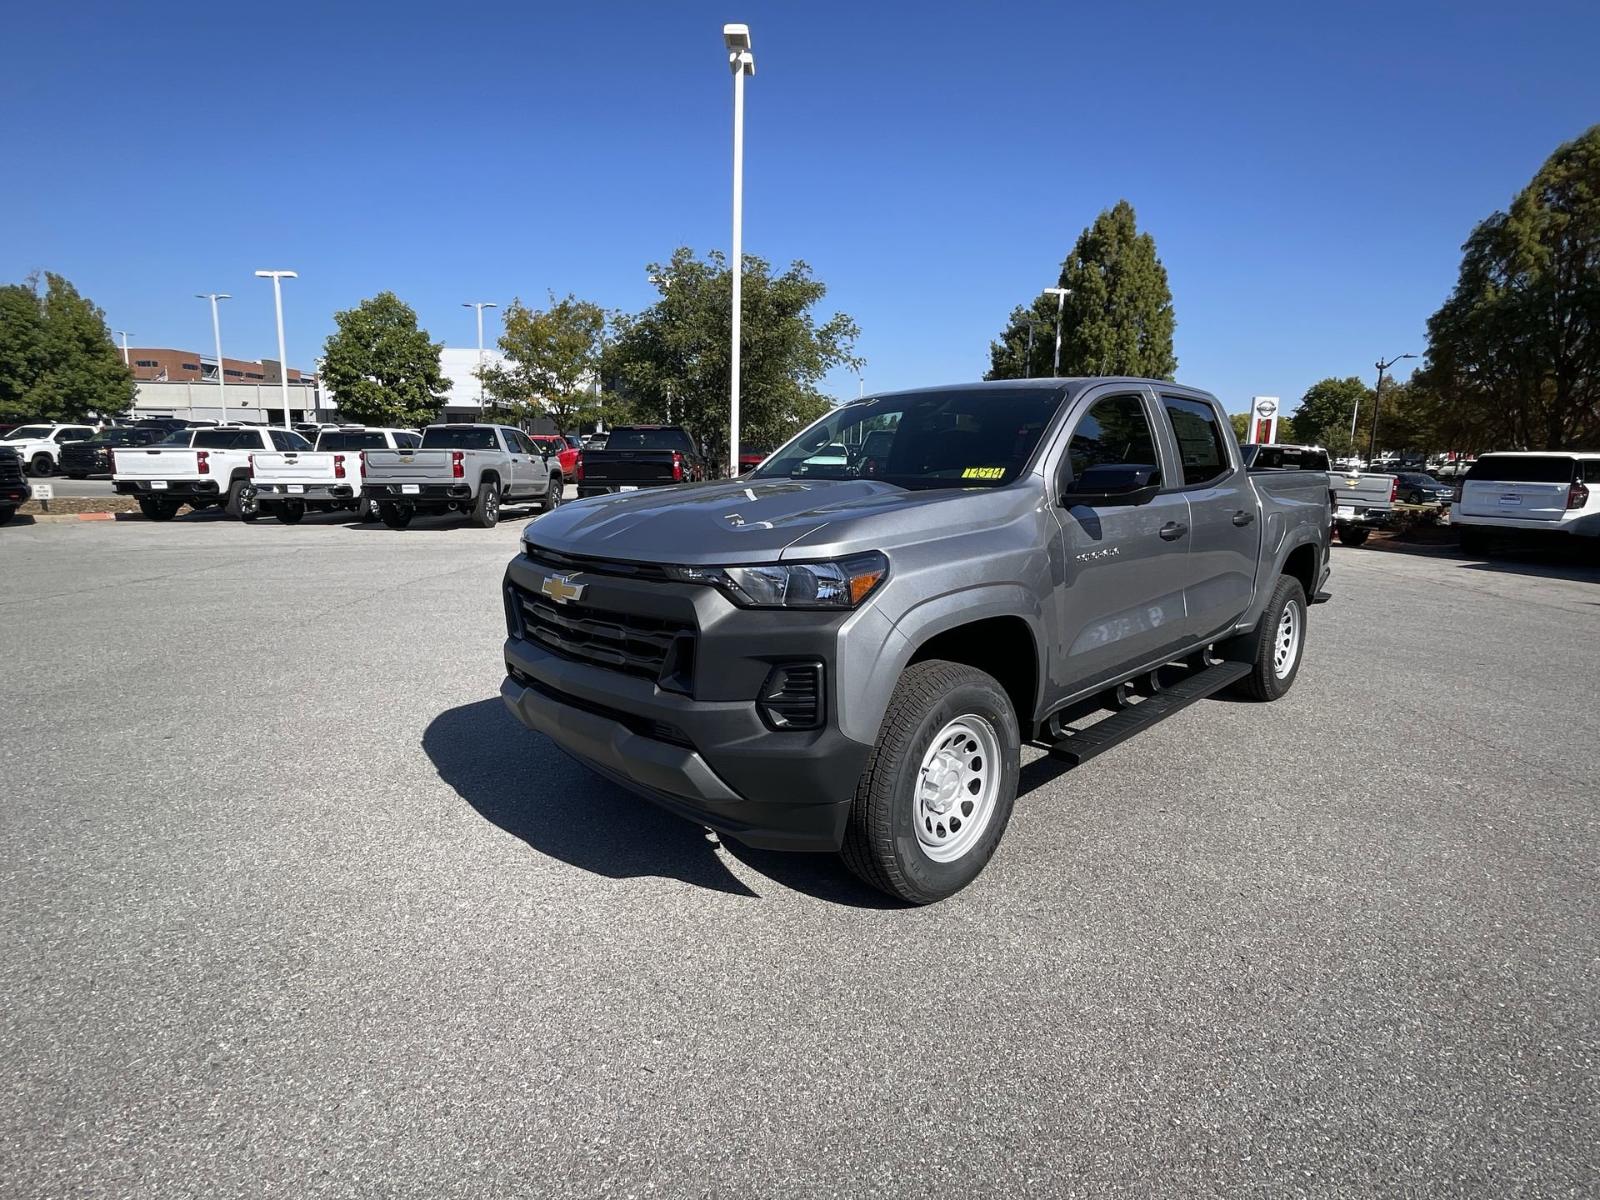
641 456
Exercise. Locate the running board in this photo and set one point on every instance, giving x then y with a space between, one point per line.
1079 748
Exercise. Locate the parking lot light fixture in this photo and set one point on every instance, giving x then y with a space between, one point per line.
123 334
480 305
277 278
216 337
1061 294
741 62
1377 402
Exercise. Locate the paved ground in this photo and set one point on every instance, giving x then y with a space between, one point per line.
289 906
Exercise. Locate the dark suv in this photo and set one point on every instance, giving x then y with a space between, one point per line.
14 489
79 460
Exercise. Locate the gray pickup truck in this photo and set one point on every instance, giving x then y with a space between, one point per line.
848 651
471 469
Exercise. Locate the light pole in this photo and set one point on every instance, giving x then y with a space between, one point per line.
1377 403
216 336
480 305
741 62
1027 363
1061 294
123 334
277 278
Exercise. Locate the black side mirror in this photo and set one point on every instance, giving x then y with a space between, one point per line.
1113 483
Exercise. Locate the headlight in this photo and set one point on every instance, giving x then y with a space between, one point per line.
838 583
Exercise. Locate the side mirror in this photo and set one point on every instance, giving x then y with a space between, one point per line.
1113 483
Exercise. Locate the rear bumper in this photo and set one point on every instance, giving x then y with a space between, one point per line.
15 494
605 489
210 488
270 493
1578 524
1371 518
427 494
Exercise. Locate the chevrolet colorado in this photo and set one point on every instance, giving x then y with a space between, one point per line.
847 651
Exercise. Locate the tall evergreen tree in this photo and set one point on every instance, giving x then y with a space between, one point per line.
57 359
1117 321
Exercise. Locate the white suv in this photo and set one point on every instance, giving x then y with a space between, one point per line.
39 446
1529 494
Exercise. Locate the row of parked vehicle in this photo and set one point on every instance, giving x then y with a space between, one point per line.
1506 496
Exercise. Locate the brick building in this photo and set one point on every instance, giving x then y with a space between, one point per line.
152 364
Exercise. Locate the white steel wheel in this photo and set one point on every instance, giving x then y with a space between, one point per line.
956 788
1286 641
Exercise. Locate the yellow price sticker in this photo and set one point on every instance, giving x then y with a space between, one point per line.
984 473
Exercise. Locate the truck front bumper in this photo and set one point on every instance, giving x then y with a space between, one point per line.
712 760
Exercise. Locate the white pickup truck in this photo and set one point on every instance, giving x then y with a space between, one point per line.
213 468
291 483
462 468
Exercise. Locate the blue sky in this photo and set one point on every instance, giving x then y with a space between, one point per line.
1308 172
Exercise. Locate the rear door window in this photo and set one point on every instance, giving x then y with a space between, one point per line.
1115 430
1523 468
285 439
1201 446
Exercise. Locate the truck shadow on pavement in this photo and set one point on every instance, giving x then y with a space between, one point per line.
519 781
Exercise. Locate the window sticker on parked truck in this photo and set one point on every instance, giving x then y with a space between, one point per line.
983 473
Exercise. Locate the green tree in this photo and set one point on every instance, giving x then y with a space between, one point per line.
1514 353
552 361
381 368
673 357
57 359
1117 321
1323 417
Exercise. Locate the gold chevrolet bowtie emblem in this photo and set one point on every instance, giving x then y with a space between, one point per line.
561 589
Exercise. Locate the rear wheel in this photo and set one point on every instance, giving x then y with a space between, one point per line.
937 793
395 516
486 512
158 508
242 501
553 494
1274 647
1351 535
291 512
365 509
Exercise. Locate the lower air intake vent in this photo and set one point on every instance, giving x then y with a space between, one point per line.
791 698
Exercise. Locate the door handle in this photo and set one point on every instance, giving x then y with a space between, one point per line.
1173 530
1243 518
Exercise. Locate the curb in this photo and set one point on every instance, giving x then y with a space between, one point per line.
43 518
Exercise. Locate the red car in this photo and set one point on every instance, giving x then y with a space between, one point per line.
751 457
565 449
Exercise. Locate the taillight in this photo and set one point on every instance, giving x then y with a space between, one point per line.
577 468
677 467
201 458
1394 488
458 468
1577 496
363 457
338 466
111 460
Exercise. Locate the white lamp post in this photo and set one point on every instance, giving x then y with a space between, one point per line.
480 305
123 334
277 278
742 63
1061 294
216 335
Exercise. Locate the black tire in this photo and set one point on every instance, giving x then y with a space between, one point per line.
1350 535
365 510
6 514
486 509
76 475
290 512
395 516
1267 681
243 503
881 842
553 495
41 464
158 508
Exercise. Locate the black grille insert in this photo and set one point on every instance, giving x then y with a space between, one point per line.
565 564
791 698
654 648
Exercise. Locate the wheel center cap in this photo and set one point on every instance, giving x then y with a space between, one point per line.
944 783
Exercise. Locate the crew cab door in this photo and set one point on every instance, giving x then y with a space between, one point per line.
529 473
1123 561
1224 512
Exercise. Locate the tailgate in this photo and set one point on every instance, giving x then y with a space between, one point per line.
155 464
410 466
627 466
1530 501
1365 491
299 466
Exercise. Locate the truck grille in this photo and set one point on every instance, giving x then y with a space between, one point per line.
10 467
565 564
654 648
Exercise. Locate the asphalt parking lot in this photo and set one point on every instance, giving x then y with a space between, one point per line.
289 905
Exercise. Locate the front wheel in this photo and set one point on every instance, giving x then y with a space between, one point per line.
1276 645
42 464
395 516
937 793
553 494
1352 535
486 512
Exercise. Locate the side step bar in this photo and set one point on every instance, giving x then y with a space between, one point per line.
1080 747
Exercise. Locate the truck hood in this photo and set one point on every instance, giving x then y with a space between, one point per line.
733 521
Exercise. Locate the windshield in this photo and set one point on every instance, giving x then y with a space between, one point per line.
458 437
26 431
978 438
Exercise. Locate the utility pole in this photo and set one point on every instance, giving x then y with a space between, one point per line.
123 334
216 335
1061 294
1377 404
480 305
277 278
